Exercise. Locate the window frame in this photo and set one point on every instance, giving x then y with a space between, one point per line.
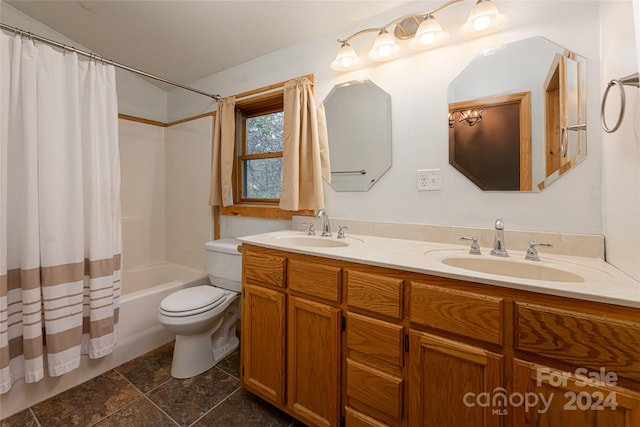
239 178
269 99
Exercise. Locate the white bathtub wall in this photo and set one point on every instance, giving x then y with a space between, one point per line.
188 172
142 157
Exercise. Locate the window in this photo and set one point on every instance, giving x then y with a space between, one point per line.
259 133
257 180
259 160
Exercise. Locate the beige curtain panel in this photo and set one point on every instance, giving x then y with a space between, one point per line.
224 131
305 149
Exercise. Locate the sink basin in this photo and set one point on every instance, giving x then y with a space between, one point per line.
508 267
312 241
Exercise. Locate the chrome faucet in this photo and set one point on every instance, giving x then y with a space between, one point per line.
499 246
532 252
326 227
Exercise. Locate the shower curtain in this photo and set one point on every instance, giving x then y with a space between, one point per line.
60 231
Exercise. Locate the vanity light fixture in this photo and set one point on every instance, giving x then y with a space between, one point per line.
422 30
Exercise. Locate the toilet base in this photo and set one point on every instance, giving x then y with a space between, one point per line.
197 353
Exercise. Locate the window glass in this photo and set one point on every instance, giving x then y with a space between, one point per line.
264 133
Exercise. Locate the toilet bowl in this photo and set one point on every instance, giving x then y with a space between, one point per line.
204 317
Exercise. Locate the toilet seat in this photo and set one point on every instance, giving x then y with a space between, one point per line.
192 301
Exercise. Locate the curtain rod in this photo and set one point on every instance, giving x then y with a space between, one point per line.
102 59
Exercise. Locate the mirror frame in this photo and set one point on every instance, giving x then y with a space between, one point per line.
527 65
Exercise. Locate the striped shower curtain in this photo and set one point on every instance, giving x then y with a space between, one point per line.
60 231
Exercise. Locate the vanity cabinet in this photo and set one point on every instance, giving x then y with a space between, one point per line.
374 354
263 342
313 361
447 376
333 342
605 350
446 379
561 398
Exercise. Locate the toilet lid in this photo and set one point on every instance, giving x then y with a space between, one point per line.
198 299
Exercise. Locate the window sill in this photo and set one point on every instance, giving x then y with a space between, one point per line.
267 212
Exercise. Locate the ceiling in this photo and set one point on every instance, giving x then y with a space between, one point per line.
184 41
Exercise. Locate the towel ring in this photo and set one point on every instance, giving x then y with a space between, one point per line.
631 80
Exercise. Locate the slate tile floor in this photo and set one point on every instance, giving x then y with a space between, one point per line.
142 393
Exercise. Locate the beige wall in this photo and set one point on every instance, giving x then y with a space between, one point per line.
418 84
142 159
188 216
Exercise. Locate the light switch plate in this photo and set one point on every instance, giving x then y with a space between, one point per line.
429 180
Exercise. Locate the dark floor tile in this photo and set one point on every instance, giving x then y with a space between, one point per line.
87 403
231 364
139 413
149 370
187 400
244 409
21 419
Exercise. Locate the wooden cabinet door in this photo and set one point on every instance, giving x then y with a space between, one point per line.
263 342
445 379
564 399
313 366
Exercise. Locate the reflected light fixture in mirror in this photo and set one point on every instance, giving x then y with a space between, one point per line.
471 117
422 30
468 117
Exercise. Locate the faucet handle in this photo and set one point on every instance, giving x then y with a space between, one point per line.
341 229
311 230
475 248
532 252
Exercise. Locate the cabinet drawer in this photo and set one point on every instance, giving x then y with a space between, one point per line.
465 313
579 338
375 342
378 294
315 279
354 418
374 392
265 268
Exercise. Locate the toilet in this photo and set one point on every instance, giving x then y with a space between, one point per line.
204 317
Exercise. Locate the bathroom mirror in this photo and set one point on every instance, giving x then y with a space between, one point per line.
504 141
359 129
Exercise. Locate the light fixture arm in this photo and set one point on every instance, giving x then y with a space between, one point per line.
417 16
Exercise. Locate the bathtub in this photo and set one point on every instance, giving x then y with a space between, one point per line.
138 332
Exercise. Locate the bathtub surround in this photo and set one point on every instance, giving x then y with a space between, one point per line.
60 236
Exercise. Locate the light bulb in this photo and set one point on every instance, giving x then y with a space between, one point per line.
384 47
481 23
346 61
483 18
428 35
427 38
346 58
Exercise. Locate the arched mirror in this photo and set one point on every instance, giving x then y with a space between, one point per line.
517 116
359 129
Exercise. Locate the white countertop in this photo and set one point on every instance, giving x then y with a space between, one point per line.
602 282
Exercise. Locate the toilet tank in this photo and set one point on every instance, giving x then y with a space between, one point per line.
224 264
